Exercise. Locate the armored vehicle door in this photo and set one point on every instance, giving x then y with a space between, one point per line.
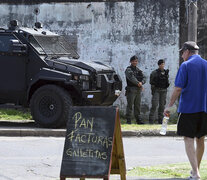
13 61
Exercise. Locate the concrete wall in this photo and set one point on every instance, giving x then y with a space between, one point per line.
112 32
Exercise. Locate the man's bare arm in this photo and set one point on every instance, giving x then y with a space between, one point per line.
175 95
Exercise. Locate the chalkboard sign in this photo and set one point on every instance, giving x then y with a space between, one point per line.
89 142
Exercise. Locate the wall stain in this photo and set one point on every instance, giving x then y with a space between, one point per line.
111 32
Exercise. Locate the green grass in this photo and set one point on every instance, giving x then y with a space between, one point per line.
12 114
179 170
135 127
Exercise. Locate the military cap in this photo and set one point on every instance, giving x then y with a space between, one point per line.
161 61
133 58
190 45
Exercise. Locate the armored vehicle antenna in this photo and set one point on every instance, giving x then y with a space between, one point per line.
36 12
37 24
13 24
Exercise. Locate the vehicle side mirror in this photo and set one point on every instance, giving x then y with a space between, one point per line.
18 47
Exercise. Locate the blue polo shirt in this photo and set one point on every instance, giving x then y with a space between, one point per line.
192 78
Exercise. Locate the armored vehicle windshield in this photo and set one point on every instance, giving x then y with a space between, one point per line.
52 45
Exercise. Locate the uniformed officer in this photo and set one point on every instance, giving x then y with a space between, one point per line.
135 80
159 80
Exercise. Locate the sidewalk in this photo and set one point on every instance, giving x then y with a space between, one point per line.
34 131
28 128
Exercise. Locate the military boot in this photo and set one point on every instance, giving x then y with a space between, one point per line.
159 121
139 121
151 121
128 121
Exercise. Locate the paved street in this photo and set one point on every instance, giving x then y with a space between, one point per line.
23 158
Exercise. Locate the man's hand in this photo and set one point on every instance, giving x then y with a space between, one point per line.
167 112
170 110
175 94
139 84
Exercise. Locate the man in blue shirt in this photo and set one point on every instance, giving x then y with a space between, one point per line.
191 83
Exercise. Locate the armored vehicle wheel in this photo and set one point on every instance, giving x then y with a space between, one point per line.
50 106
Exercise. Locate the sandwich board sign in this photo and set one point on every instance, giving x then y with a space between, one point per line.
93 144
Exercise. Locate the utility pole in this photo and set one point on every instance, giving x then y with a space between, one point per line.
192 20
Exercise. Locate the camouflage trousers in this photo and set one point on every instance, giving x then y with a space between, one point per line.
133 95
158 98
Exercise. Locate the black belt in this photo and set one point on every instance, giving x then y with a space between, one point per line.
160 88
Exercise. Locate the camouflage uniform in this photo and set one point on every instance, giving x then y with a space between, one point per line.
133 93
159 84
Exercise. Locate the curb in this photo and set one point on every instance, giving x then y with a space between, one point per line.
145 133
21 132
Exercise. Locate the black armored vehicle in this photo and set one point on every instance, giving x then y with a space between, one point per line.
39 69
